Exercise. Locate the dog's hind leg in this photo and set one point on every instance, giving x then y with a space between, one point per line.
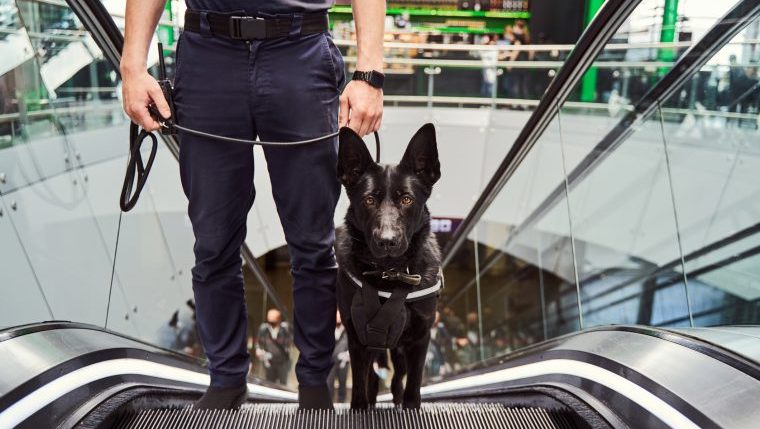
415 366
399 371
361 365
373 386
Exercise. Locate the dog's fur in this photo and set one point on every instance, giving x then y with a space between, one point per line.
384 232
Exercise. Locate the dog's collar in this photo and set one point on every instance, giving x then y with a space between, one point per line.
395 275
411 296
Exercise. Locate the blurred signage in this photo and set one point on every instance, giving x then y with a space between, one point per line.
444 225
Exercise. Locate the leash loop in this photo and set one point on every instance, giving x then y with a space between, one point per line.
137 172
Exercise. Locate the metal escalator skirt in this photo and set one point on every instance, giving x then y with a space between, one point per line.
276 416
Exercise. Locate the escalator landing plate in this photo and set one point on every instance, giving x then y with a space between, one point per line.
440 415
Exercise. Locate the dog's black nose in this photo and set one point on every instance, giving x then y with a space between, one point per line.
387 243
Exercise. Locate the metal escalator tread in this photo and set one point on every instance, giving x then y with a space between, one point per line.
280 416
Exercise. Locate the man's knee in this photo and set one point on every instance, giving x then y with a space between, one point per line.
218 255
312 251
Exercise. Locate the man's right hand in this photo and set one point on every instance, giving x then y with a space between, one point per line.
139 89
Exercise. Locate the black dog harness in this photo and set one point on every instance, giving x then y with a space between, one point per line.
380 325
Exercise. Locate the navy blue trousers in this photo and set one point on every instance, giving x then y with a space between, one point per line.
282 89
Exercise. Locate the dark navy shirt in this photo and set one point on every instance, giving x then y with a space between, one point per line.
267 6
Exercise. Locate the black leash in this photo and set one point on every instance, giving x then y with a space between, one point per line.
137 171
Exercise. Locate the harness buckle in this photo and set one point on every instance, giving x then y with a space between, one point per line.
247 27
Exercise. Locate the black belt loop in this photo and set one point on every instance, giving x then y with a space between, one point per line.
204 25
295 25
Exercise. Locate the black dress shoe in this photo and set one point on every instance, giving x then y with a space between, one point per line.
314 398
222 398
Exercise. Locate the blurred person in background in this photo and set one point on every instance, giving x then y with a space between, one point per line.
273 347
521 76
744 90
6 106
507 39
452 322
489 59
342 362
440 352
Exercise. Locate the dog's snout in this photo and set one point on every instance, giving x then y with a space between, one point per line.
388 242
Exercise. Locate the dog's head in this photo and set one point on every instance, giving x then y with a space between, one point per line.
388 201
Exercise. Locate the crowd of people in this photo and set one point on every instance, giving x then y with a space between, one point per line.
517 82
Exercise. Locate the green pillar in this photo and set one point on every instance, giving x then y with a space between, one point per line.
588 84
668 32
166 32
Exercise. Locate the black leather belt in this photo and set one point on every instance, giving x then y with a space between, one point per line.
251 27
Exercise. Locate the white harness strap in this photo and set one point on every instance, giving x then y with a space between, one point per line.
412 296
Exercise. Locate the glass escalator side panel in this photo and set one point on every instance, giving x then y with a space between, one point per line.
523 290
710 128
44 178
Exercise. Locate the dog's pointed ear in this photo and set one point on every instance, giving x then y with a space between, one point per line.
353 157
421 156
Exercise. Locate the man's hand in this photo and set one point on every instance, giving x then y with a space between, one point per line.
361 107
361 104
139 89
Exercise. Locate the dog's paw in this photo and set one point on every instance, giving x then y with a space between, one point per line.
411 402
359 405
411 405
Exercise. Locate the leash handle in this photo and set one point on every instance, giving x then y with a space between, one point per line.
137 173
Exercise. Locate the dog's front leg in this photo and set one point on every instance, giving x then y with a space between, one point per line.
360 367
415 365
399 371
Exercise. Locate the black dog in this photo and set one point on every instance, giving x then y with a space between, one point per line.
389 263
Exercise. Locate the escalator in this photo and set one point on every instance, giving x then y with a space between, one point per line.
593 375
73 375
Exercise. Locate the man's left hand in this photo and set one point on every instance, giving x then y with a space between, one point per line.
361 107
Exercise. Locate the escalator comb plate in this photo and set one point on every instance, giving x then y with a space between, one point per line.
282 416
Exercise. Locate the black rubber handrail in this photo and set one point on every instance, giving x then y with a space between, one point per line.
725 29
98 21
609 18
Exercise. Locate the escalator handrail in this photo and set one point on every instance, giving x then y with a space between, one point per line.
593 40
98 21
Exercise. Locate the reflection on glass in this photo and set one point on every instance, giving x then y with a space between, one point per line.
522 290
623 221
44 186
710 127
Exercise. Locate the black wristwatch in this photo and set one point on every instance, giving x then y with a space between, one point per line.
372 77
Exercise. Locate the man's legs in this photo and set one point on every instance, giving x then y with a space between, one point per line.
212 94
297 88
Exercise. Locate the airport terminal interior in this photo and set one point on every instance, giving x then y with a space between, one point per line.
598 215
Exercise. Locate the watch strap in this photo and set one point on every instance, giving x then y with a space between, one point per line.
372 77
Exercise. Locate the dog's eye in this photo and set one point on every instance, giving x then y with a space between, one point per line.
406 200
369 201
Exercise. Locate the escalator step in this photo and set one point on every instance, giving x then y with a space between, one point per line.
281 416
